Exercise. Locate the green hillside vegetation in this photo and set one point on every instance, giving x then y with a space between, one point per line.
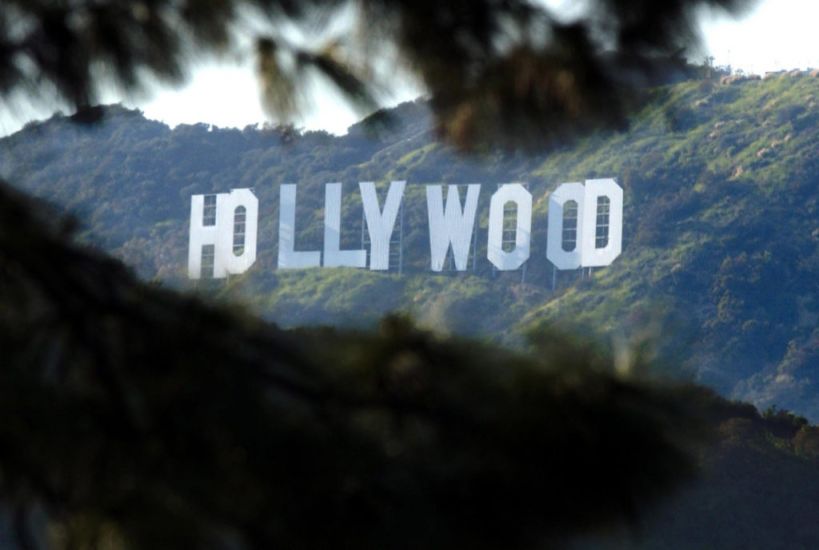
721 240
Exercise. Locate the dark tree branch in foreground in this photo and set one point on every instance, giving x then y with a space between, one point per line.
497 72
135 417
141 416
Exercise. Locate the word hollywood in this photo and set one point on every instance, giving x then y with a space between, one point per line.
585 227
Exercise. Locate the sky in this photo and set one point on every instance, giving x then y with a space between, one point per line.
777 34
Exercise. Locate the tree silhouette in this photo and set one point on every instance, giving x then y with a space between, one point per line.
496 71
136 417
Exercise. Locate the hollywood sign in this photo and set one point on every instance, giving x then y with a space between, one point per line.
585 228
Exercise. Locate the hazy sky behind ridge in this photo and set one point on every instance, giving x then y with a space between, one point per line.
777 34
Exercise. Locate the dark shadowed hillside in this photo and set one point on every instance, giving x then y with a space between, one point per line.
720 264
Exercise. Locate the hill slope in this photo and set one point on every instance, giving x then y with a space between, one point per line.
721 241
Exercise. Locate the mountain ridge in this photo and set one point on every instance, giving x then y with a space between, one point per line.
721 246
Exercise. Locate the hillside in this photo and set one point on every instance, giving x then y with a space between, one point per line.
720 263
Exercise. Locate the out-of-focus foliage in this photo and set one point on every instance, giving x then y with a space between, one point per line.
759 489
720 231
136 417
508 72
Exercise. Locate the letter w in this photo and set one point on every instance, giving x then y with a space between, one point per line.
453 227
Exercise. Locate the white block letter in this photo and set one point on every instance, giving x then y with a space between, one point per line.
288 256
454 227
568 198
579 212
333 255
380 223
227 212
603 203
509 261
